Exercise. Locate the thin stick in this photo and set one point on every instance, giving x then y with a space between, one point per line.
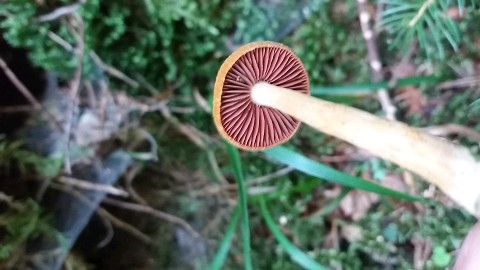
109 236
462 82
189 131
60 41
449 129
125 226
114 71
26 93
128 185
61 11
154 212
6 198
82 184
105 214
269 177
374 58
212 160
107 68
201 101
17 109
74 85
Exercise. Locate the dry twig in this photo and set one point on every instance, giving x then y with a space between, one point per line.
82 184
269 177
124 226
187 130
374 57
201 101
114 71
217 172
109 236
6 198
128 185
17 109
26 93
450 129
61 11
154 212
60 41
77 28
105 214
459 83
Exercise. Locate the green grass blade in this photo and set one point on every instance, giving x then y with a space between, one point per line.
371 87
295 253
222 252
399 11
422 38
242 189
461 5
401 37
299 189
320 170
394 19
432 26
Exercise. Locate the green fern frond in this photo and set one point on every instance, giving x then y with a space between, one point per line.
426 21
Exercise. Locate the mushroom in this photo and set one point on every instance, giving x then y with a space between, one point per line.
262 94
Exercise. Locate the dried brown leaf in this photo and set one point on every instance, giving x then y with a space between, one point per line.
352 233
357 203
414 98
332 238
395 181
403 69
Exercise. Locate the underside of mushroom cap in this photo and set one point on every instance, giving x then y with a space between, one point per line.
241 121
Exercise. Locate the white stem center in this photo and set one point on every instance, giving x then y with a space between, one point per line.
261 93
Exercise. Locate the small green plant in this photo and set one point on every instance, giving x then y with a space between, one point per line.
13 155
178 36
428 21
239 175
23 220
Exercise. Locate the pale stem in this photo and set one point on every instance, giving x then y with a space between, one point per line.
450 167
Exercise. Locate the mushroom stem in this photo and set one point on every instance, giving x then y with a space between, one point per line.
450 167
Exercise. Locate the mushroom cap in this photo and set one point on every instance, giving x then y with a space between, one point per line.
238 119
